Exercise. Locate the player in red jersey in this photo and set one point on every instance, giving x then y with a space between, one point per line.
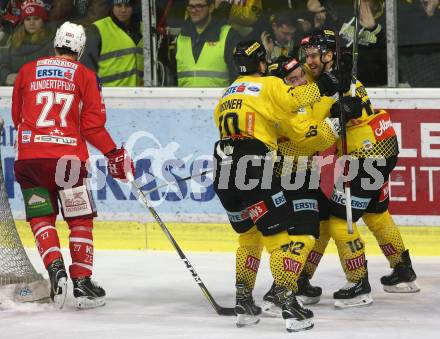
56 107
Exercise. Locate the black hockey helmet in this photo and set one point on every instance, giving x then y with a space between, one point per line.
248 55
323 39
283 66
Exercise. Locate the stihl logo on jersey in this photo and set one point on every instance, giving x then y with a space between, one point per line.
314 258
55 140
388 249
54 72
256 211
247 88
252 263
384 192
291 265
355 263
382 127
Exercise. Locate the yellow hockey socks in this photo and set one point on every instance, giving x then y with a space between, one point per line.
351 249
248 257
288 255
318 250
387 235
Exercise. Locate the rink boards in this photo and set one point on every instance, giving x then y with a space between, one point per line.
170 132
213 237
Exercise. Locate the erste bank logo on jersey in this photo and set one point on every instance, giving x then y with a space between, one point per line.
54 72
247 88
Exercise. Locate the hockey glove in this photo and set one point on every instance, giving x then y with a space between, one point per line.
328 84
119 163
351 106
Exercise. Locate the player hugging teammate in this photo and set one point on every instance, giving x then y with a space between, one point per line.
252 194
268 183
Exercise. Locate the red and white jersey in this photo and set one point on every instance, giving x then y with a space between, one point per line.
56 107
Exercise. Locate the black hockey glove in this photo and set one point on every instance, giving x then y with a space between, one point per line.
351 106
328 84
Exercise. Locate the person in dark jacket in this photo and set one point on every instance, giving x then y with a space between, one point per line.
32 38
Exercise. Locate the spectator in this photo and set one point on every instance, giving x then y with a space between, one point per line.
114 47
10 11
419 42
9 19
31 39
83 12
277 36
372 60
204 48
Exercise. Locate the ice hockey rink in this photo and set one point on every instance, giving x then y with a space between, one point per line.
151 294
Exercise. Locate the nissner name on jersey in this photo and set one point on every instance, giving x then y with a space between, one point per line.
247 88
54 72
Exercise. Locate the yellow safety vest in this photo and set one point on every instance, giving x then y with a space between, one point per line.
210 70
121 62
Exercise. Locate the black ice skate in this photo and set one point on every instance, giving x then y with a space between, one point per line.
247 312
402 279
269 306
307 293
58 282
354 294
87 294
296 316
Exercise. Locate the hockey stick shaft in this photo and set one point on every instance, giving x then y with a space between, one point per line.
219 309
179 180
347 183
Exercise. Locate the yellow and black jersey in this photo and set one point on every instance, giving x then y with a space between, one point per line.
254 106
370 135
303 136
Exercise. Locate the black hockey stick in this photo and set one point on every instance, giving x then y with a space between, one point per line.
347 183
219 309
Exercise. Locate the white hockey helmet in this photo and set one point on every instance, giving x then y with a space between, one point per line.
72 37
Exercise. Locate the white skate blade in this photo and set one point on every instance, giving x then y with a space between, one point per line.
359 301
403 287
60 299
83 303
244 320
308 300
295 325
269 309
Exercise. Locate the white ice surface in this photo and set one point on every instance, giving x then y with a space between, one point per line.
152 295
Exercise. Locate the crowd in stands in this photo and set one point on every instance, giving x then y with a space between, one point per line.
195 38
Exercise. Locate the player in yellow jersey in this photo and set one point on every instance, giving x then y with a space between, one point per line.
369 138
298 163
247 116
